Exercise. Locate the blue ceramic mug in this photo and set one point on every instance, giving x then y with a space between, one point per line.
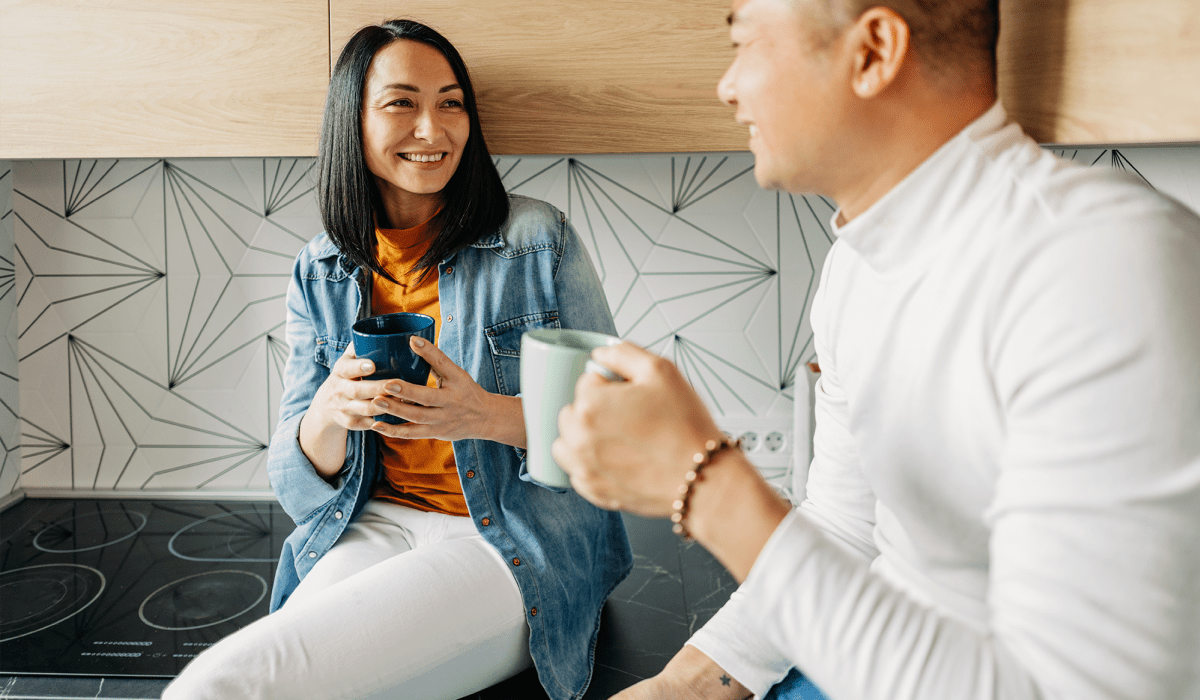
384 341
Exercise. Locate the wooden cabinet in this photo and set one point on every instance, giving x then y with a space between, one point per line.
180 78
1102 71
581 76
154 78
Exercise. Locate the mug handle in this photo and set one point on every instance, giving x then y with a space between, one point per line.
593 366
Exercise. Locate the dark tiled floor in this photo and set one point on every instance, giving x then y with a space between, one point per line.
675 587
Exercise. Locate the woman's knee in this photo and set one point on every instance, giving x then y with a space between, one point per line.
243 665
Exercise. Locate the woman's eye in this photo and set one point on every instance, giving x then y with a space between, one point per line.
454 104
403 102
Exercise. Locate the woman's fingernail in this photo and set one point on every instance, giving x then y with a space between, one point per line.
392 388
366 366
380 403
419 342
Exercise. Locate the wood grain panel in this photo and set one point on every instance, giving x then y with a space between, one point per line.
130 78
582 76
1102 71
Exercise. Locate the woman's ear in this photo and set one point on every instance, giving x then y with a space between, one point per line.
880 41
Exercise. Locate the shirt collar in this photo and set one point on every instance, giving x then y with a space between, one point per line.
904 223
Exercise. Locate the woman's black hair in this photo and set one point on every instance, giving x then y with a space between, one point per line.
475 203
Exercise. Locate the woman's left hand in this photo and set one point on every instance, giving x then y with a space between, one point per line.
457 409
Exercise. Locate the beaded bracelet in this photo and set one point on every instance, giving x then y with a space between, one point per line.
700 460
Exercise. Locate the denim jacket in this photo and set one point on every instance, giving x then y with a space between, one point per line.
566 555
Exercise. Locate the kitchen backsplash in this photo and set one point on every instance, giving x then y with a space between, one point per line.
149 295
10 433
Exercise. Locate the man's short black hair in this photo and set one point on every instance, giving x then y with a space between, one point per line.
948 35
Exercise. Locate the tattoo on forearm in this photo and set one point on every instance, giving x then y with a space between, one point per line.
726 680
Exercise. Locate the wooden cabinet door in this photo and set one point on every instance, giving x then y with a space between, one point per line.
1102 71
155 78
584 76
581 76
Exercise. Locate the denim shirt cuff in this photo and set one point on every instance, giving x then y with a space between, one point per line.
297 485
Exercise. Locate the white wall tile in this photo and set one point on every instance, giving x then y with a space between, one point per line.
168 323
10 447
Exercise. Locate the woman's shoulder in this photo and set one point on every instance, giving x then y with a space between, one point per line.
321 246
532 222
320 250
318 259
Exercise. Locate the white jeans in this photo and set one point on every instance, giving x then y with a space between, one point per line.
407 604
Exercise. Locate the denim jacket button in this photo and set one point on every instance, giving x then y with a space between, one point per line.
533 612
485 522
470 473
516 562
312 555
449 270
449 319
338 515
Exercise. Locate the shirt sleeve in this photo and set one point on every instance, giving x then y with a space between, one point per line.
582 304
1094 576
298 487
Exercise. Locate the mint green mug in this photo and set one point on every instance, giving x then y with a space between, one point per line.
552 361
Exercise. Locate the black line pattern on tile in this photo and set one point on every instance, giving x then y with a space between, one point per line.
225 259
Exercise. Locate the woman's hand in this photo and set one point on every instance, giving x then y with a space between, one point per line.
628 444
456 409
342 403
344 398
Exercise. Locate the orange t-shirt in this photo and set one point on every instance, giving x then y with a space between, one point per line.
420 474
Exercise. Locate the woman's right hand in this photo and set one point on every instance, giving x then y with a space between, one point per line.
344 399
342 403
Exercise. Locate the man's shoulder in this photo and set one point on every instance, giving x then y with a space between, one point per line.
1070 189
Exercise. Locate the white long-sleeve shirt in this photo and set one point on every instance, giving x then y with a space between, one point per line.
1004 499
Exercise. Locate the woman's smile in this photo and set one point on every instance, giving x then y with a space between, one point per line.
423 157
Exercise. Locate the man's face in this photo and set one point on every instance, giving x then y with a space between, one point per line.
783 86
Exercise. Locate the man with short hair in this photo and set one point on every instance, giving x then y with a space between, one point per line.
1004 499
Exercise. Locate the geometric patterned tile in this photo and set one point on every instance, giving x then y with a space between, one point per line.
145 310
10 446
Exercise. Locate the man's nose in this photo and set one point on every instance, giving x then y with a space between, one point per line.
725 86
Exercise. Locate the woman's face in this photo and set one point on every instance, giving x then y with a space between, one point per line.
414 122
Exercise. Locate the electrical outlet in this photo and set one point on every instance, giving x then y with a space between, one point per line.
766 442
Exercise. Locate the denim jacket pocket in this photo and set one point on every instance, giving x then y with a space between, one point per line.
504 340
329 349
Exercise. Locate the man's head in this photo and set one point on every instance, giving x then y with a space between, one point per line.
835 90
951 38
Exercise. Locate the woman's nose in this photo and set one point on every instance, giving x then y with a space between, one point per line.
428 127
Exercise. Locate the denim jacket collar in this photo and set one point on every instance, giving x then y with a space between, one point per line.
326 249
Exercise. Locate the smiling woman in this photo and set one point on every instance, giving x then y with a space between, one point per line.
400 93
425 563
415 126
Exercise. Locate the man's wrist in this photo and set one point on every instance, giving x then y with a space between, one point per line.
733 512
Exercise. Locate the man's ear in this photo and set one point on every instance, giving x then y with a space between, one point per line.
880 42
